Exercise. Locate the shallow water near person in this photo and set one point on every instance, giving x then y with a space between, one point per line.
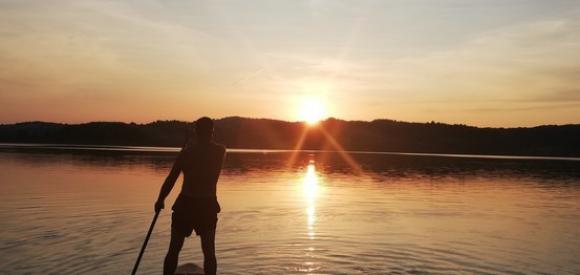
87 211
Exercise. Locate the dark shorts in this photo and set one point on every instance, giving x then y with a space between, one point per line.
199 214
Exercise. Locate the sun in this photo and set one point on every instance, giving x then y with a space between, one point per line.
312 110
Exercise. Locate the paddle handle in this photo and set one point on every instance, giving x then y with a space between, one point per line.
145 243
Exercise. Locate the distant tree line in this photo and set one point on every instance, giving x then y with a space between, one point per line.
376 135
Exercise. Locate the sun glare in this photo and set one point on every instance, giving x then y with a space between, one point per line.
312 110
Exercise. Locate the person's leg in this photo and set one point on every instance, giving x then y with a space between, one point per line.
208 248
172 257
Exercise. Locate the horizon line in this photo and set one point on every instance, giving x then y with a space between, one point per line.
173 149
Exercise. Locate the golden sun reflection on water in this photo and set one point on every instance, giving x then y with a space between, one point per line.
311 190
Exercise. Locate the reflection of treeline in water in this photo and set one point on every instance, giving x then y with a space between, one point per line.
377 135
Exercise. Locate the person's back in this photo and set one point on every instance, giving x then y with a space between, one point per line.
196 207
201 167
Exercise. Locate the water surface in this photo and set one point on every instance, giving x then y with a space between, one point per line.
86 211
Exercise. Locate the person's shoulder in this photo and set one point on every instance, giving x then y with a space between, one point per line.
219 147
186 150
188 147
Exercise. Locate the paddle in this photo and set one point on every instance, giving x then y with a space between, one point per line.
145 243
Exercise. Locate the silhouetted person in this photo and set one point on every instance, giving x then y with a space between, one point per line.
196 207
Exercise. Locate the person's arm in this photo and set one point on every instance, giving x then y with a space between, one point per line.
219 164
222 160
169 183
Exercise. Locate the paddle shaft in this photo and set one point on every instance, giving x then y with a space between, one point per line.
145 243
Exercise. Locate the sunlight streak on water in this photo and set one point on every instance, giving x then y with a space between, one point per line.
311 190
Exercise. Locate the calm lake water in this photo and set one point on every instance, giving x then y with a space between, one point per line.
65 211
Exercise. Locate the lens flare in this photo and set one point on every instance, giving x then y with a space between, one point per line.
312 110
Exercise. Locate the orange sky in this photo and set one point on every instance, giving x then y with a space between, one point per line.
488 63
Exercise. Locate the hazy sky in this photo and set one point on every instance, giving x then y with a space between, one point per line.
485 63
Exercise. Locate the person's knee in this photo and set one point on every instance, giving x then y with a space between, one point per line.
209 256
172 253
208 251
174 249
208 244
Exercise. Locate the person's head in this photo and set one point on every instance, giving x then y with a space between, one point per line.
204 129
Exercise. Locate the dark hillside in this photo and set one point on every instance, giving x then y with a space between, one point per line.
377 135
